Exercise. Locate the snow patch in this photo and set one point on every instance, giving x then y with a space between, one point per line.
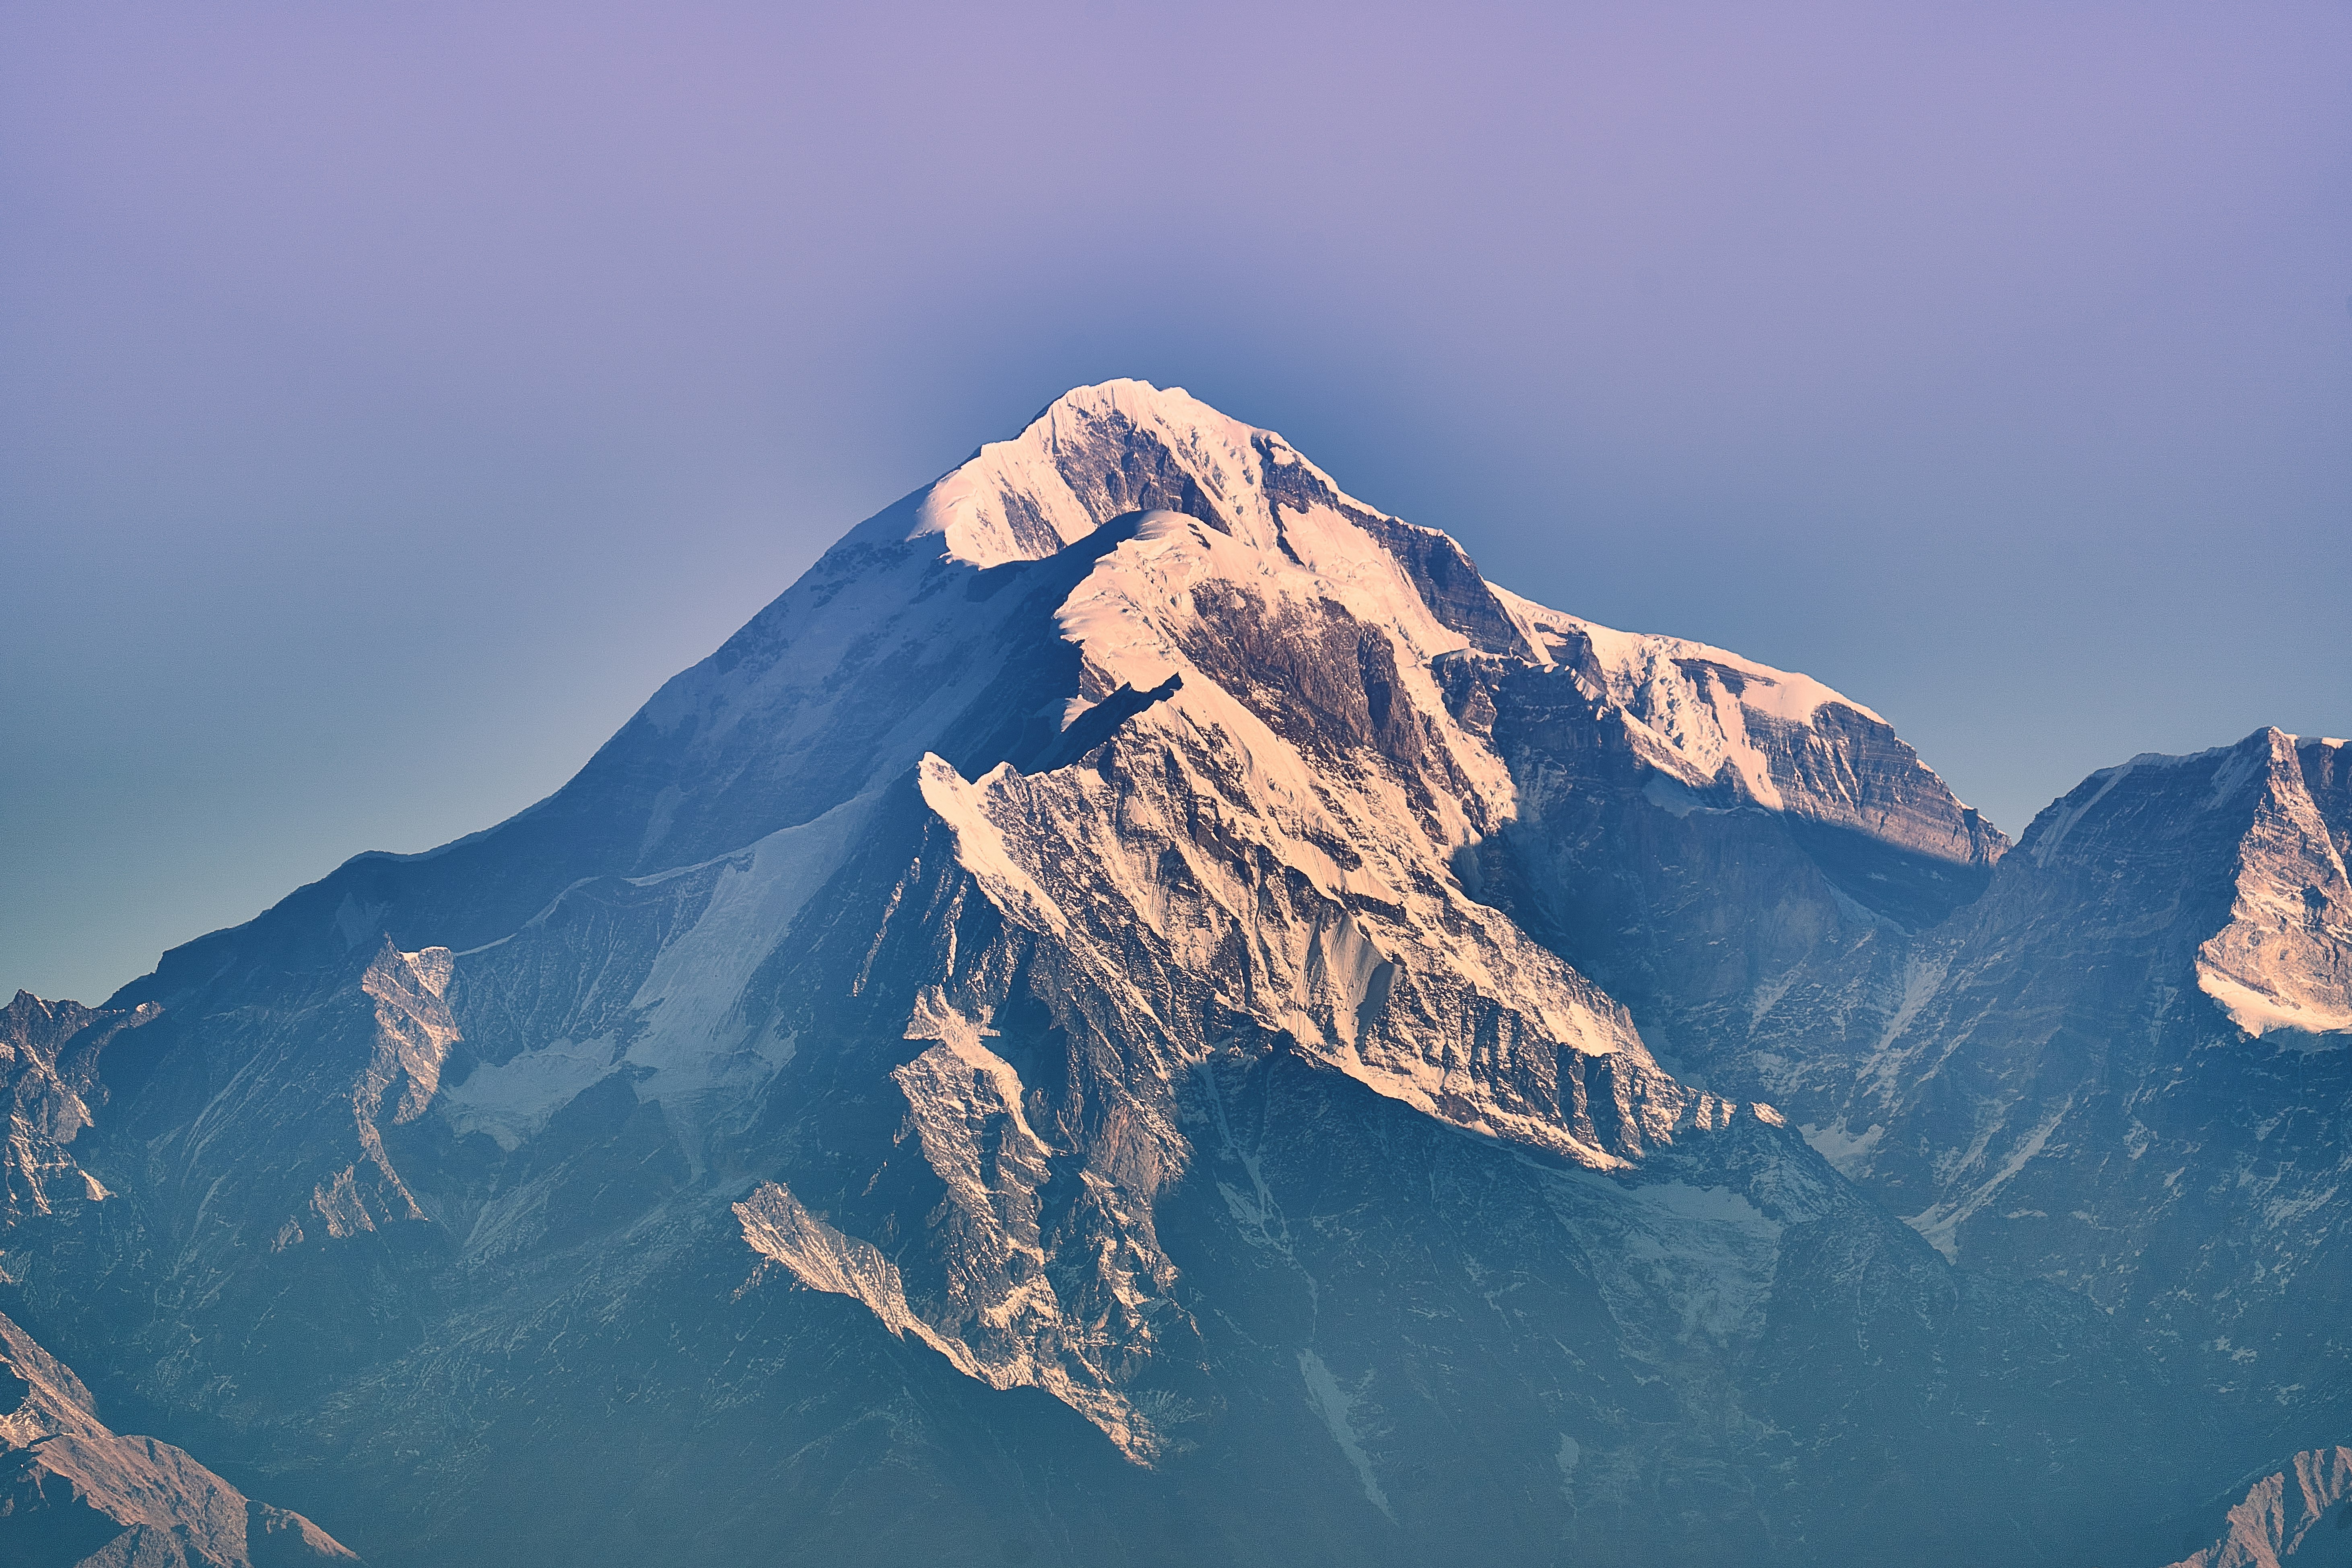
1940 1222
2261 1012
935 1019
1719 1206
695 1035
512 1100
2240 767
1337 1407
1846 1150
1632 658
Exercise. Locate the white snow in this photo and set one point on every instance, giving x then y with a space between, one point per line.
694 1035
512 1100
2261 1012
1940 1222
1337 1407
1719 1204
1846 1150
970 508
1632 657
1674 696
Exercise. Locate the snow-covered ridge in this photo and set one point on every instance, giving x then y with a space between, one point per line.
1093 454
1248 617
886 606
1632 661
1705 716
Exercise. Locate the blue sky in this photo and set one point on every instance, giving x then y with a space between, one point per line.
391 397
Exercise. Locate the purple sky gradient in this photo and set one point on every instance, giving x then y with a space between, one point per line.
391 397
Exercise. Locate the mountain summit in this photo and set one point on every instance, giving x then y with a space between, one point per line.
1141 1011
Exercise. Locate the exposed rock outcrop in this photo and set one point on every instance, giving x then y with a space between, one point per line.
2297 1514
74 1493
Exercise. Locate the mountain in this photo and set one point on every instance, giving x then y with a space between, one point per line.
1143 1011
2126 1072
78 1494
1744 858
74 1491
2291 1515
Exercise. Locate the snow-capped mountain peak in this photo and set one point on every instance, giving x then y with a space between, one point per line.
1093 454
1129 910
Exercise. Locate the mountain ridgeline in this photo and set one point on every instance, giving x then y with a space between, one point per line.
1144 1013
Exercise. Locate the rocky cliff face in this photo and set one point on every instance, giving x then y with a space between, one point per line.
1141 1012
2296 1514
76 1494
72 1491
2128 1073
1745 859
48 1076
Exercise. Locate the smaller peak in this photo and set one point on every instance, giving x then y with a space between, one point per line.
2269 738
2285 746
2236 778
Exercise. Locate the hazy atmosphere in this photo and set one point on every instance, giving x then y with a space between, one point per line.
394 398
